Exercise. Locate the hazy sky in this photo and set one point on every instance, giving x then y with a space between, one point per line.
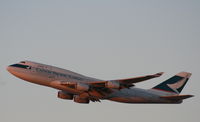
106 39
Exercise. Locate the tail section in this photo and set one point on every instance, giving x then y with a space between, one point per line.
175 84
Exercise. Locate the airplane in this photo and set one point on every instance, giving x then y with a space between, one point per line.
83 89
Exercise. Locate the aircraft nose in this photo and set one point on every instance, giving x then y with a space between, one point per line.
8 68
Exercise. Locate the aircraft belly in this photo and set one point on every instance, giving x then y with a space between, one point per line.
134 95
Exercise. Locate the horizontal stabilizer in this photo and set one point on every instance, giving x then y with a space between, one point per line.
177 97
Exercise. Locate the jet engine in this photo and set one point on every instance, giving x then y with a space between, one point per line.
112 85
64 95
79 99
82 87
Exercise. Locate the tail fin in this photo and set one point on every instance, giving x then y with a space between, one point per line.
175 84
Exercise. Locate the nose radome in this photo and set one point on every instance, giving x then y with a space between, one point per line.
8 68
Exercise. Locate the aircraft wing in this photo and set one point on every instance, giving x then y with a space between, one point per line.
100 89
126 83
139 79
91 91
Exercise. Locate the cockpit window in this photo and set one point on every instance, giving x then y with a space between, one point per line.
21 66
23 62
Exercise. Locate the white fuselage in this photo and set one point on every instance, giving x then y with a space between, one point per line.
52 77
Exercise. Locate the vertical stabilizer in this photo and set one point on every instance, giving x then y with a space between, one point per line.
175 84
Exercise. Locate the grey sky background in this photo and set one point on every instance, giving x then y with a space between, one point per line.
106 39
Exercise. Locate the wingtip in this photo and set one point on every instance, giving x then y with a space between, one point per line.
184 74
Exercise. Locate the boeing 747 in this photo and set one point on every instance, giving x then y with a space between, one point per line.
83 89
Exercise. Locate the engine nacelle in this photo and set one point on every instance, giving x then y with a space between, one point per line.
112 85
78 99
64 95
82 87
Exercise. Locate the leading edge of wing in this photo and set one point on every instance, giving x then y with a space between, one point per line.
126 82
